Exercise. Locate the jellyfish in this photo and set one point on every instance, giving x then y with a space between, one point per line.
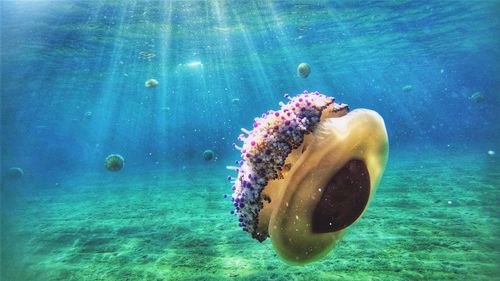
407 88
15 173
308 172
151 83
147 55
208 155
477 97
114 162
303 70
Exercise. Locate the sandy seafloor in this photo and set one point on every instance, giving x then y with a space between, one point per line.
175 225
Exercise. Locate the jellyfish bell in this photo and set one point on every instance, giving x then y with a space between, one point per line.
477 97
114 162
303 70
309 171
147 55
151 83
15 173
208 155
407 88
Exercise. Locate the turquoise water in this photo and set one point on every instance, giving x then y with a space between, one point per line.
73 92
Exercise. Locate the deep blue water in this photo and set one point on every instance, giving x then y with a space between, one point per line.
61 59
73 92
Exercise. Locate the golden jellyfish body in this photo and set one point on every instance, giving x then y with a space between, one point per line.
318 184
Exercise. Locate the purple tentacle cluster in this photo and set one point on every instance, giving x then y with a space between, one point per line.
265 150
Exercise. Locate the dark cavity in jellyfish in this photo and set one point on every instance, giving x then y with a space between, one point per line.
344 198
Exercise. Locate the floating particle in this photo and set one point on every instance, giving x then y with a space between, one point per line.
303 70
208 155
407 88
151 83
477 97
88 114
491 152
15 173
235 101
165 109
114 162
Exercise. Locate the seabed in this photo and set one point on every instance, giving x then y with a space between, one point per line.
435 217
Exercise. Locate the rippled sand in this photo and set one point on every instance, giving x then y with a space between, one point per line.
435 217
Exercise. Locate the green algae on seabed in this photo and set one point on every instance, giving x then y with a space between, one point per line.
178 228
